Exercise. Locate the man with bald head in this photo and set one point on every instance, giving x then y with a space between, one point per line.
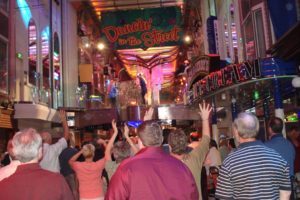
51 151
253 171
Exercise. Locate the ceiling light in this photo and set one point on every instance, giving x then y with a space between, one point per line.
86 45
187 39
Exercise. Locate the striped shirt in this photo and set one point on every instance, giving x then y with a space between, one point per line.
253 171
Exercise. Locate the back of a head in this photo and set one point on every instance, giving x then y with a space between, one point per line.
247 125
150 134
26 145
88 151
276 124
178 141
46 137
121 151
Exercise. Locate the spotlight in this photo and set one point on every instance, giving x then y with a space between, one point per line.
100 46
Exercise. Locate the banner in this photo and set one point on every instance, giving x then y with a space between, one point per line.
145 28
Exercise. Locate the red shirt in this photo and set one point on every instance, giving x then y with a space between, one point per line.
152 175
31 182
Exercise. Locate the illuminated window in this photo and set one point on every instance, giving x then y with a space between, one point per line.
45 57
32 53
56 63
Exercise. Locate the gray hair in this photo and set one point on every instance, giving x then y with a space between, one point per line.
26 145
247 125
150 134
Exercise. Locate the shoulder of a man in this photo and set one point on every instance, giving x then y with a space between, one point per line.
60 145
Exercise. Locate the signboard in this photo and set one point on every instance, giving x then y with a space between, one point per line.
142 28
237 73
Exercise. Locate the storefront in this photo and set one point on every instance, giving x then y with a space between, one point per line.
262 87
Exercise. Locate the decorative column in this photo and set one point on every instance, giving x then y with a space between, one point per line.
215 130
279 112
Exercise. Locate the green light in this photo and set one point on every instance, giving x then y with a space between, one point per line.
19 56
256 95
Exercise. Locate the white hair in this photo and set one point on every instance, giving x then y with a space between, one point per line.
247 125
26 145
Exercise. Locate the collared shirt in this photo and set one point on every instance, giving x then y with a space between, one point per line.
31 182
152 175
50 155
285 148
8 170
253 171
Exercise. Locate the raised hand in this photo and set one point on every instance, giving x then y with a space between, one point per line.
205 110
62 115
114 126
148 115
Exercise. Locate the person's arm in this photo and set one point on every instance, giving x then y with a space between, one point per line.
111 141
63 119
205 110
75 157
126 135
284 194
201 150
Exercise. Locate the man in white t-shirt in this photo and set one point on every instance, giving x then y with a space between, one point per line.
52 151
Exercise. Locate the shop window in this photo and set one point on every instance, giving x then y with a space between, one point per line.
56 63
255 33
260 35
3 67
32 55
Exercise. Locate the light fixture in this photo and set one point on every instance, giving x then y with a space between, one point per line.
296 82
100 46
187 39
86 45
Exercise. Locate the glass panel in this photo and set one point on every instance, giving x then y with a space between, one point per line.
260 36
249 39
3 67
4 5
56 63
32 53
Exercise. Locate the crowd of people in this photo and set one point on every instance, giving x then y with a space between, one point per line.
161 164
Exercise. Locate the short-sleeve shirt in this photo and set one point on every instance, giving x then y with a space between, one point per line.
253 171
89 177
51 152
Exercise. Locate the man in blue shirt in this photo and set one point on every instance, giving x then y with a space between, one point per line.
277 142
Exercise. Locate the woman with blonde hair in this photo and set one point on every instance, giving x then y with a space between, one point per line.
88 173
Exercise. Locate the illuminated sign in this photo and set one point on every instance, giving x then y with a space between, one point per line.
142 28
